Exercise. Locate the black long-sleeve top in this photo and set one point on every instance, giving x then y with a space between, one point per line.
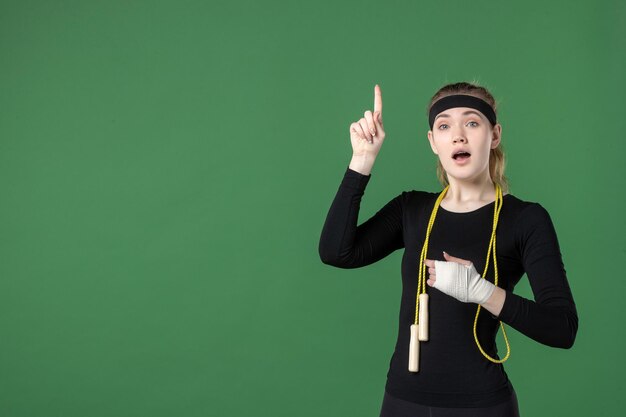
452 370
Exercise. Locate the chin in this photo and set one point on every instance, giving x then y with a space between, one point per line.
467 176
461 171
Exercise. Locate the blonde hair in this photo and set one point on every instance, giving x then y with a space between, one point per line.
496 155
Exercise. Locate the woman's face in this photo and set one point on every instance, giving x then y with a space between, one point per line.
467 129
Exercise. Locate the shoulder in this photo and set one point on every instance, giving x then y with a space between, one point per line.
531 220
528 211
418 197
408 200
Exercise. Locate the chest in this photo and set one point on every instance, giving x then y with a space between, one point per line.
463 235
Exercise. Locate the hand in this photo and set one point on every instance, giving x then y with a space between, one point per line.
367 134
459 279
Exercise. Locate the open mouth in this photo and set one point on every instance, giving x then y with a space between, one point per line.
461 156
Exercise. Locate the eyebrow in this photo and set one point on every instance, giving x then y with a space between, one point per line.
464 113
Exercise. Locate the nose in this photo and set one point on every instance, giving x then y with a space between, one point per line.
458 134
459 139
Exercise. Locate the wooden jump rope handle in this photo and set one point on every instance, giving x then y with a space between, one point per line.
419 332
423 333
414 349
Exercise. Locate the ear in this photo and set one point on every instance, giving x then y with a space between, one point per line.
432 142
496 135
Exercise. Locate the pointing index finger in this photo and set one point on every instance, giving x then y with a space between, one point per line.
378 99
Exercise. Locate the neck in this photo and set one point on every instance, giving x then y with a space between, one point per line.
471 190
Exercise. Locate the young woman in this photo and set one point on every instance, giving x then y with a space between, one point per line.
445 361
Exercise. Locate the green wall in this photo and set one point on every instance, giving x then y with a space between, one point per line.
166 168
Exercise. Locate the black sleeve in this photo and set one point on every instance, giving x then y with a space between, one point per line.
552 318
344 244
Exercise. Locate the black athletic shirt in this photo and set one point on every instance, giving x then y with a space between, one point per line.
452 370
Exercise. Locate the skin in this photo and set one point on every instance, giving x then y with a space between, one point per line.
471 186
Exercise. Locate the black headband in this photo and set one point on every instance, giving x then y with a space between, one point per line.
461 100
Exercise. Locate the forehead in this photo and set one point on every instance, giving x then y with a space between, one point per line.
458 112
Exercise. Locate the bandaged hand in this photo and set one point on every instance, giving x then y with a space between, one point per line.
458 278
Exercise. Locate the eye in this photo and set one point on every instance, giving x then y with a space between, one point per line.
443 124
474 122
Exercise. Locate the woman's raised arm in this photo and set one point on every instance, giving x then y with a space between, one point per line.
345 244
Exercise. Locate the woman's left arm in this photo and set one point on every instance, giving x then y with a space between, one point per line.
552 318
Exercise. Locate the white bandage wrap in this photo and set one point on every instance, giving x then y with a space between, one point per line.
462 282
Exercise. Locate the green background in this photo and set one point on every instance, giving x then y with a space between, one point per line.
166 168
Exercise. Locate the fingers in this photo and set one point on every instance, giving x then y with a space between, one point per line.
370 122
357 128
431 271
455 259
365 128
431 267
370 126
378 121
378 100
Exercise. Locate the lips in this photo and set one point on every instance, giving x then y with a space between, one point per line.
461 158
463 152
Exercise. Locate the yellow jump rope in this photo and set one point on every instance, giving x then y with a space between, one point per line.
419 329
